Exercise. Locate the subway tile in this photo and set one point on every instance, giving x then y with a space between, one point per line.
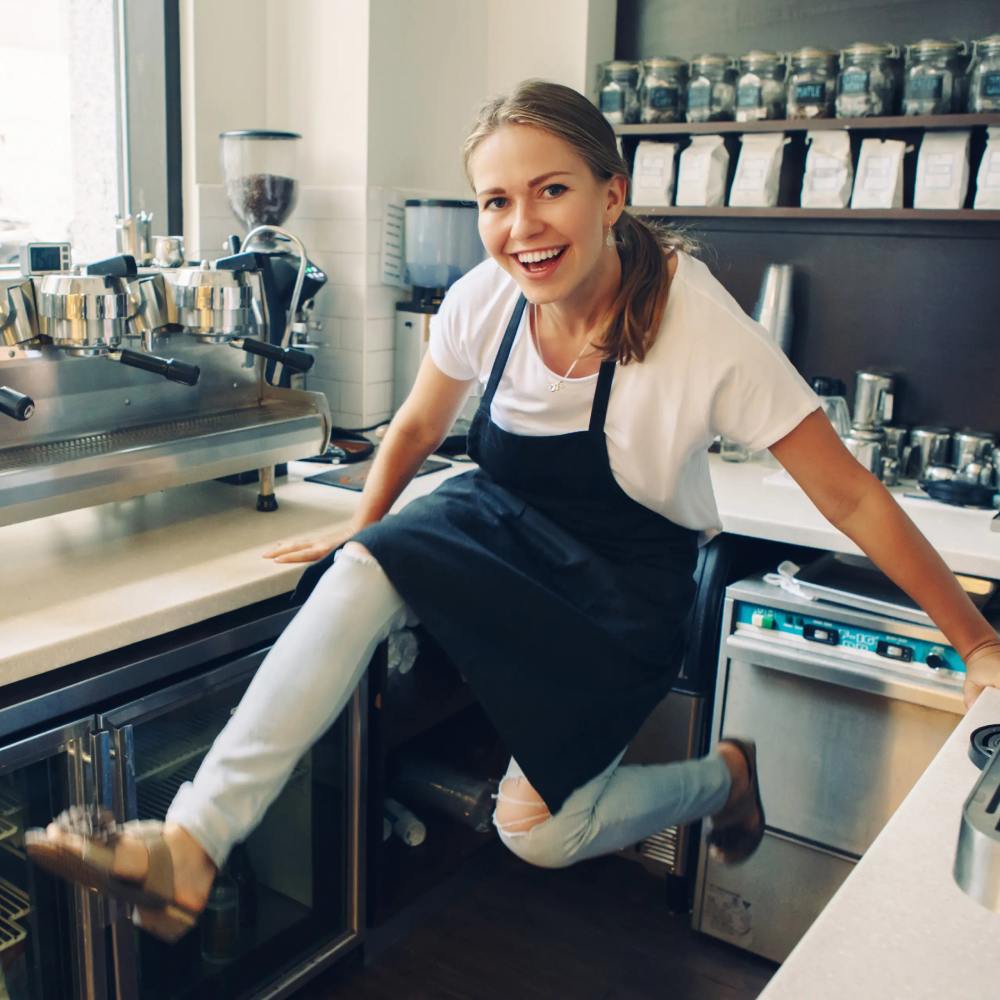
347 419
380 334
350 365
348 302
352 334
378 399
348 203
329 336
213 203
381 301
329 388
378 367
343 268
352 396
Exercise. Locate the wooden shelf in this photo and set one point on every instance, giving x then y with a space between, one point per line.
896 122
792 212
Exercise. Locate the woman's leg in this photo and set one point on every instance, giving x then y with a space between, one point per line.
299 689
619 807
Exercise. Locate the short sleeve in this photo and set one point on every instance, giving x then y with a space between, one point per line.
449 339
760 397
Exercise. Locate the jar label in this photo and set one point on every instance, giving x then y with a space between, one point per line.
700 97
810 93
925 87
989 85
612 100
854 82
661 97
748 96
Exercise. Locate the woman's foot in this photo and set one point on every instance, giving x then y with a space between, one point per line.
738 828
193 870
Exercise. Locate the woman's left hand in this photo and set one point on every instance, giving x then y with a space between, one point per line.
982 669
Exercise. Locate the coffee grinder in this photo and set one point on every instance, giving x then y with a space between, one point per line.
441 243
259 168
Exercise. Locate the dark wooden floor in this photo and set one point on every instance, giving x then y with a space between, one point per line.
503 930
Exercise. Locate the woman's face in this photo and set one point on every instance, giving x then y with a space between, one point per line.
543 215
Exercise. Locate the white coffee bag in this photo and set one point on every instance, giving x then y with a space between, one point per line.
829 171
653 173
702 174
758 171
879 181
942 170
988 177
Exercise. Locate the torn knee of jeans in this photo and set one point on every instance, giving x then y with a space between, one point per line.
519 808
357 552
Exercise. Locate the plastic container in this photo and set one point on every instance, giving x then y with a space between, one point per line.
984 75
760 89
711 94
442 241
812 83
663 91
618 91
866 85
934 80
259 169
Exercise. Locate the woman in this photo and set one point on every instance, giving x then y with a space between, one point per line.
557 575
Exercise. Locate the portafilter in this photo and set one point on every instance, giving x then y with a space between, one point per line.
89 314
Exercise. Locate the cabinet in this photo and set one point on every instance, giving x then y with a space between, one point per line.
145 718
907 128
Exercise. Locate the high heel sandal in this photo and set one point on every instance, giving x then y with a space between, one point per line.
734 841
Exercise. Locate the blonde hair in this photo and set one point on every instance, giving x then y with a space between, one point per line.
643 247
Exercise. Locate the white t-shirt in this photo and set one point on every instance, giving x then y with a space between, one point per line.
712 370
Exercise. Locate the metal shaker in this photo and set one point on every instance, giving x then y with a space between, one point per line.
930 446
774 304
873 400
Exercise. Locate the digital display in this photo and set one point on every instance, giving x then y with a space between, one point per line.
46 258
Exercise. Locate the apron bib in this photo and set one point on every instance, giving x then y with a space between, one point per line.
561 599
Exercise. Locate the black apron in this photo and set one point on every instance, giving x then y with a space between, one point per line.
560 598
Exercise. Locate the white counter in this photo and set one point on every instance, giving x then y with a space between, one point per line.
900 927
89 581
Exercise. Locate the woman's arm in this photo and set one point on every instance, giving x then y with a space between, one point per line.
420 425
854 501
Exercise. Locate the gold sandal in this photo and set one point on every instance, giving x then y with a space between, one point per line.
153 895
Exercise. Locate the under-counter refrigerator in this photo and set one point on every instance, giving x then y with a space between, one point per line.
287 904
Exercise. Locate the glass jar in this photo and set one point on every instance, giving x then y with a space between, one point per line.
618 96
711 93
812 83
984 75
934 80
760 90
866 86
663 90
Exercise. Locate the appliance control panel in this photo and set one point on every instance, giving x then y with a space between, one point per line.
865 642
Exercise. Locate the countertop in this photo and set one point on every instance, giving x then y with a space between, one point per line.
900 927
89 581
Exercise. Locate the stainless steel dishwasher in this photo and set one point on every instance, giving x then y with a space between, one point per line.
848 707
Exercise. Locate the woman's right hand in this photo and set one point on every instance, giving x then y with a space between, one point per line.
982 669
311 549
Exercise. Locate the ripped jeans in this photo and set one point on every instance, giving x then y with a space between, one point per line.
309 675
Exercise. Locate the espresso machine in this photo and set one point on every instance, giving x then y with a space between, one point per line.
117 380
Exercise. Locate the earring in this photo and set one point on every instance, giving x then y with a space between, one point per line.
609 240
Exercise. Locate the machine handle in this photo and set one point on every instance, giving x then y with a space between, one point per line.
15 404
122 266
297 361
175 371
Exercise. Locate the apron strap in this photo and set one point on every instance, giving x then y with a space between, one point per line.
601 396
501 359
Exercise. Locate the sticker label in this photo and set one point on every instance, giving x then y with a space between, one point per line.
612 100
854 81
661 97
925 87
810 93
729 916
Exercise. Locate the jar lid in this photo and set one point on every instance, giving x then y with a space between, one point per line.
809 54
621 66
259 133
711 59
664 62
990 42
758 57
868 49
936 45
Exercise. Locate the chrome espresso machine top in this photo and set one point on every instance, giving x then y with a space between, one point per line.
188 397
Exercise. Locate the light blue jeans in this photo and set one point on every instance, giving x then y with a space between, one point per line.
308 677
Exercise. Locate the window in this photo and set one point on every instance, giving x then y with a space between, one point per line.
86 137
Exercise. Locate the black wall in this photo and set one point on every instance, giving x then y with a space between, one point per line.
918 298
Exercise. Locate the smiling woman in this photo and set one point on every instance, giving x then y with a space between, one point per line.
557 574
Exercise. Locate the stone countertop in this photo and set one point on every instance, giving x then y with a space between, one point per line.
89 581
900 926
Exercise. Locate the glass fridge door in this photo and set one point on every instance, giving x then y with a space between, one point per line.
47 926
288 897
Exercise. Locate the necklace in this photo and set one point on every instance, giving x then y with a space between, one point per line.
554 385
